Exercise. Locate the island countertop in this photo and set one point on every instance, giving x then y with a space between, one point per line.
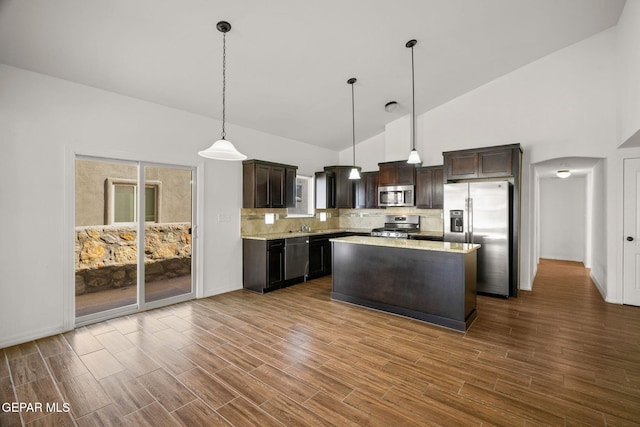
425 245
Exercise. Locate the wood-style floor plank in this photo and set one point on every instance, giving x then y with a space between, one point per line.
558 355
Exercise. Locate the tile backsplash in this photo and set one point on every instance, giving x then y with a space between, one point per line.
252 221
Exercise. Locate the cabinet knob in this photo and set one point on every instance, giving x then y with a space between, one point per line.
629 239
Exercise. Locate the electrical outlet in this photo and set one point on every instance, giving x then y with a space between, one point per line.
269 218
224 217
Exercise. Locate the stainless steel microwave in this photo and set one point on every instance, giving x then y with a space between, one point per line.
397 195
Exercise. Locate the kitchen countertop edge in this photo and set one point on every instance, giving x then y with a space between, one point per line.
425 245
287 234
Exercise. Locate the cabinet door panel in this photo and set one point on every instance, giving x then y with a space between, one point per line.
437 200
495 163
316 259
276 263
461 166
387 175
371 190
290 188
277 187
424 188
262 199
405 174
361 192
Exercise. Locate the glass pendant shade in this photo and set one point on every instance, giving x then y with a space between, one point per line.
222 150
414 157
355 173
563 173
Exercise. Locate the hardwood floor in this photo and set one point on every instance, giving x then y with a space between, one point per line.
556 356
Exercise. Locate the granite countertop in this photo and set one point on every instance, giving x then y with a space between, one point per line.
290 234
425 245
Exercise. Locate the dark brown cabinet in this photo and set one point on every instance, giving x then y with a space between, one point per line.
396 173
334 189
490 162
319 257
320 254
263 264
268 185
367 190
430 187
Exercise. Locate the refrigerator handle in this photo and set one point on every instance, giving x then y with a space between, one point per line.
470 214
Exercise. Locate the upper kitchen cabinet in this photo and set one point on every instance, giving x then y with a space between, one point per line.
367 190
490 162
430 187
268 185
396 173
334 189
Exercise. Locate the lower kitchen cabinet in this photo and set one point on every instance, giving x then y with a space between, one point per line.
262 264
273 264
319 257
320 254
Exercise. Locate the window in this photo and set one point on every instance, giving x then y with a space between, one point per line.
304 197
122 196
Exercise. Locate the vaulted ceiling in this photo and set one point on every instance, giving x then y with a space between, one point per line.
288 61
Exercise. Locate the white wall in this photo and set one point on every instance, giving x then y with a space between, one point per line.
368 154
628 90
43 121
598 231
562 105
628 67
563 213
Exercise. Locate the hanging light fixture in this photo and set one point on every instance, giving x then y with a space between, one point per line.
223 149
355 172
414 157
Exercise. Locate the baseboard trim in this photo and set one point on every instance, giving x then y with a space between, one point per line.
600 288
222 290
30 336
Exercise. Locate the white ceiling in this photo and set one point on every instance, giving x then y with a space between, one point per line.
288 60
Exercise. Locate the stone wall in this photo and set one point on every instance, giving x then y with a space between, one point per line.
107 255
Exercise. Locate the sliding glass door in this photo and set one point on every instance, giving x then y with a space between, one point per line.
121 266
167 241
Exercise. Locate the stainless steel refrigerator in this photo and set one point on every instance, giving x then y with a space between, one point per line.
479 212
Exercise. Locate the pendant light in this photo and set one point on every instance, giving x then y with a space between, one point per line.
355 172
223 149
414 157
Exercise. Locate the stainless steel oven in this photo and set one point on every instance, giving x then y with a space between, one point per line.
397 195
398 226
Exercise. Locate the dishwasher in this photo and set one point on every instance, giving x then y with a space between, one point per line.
296 257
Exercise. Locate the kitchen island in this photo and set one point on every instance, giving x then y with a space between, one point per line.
425 280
